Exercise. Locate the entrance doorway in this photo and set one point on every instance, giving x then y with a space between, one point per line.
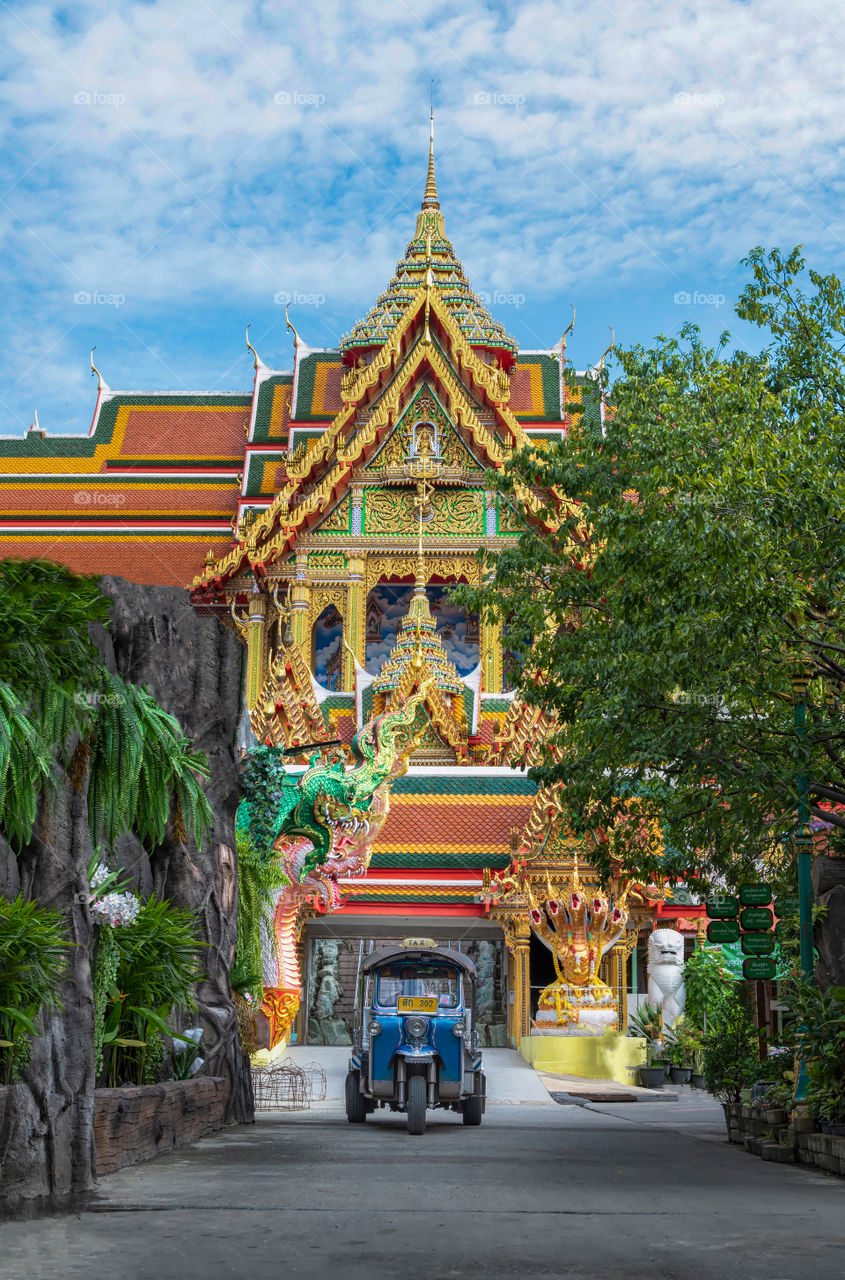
333 960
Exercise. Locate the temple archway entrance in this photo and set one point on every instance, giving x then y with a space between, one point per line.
334 949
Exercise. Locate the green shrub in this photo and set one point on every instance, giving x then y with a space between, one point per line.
819 1035
33 959
145 970
729 1050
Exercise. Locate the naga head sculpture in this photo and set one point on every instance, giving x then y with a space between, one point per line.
578 926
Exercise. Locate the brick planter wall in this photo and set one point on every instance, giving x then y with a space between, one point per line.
784 1144
138 1122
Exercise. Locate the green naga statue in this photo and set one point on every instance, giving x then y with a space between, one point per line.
328 818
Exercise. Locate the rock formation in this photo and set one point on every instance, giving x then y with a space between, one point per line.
192 666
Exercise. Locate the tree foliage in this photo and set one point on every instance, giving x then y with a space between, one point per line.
693 572
262 789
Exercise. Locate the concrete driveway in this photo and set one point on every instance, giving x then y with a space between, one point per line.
591 1192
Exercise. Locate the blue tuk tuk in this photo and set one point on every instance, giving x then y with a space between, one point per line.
415 1041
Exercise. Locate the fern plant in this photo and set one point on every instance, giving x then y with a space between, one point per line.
54 687
140 764
33 958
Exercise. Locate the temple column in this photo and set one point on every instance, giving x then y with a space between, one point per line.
255 633
618 983
519 979
354 621
300 603
491 656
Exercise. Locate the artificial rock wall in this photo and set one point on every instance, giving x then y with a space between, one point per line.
192 666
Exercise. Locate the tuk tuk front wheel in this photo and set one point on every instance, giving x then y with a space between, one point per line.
356 1103
416 1104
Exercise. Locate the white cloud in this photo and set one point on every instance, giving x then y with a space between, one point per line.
582 149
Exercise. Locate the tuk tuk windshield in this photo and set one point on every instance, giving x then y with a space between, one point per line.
413 979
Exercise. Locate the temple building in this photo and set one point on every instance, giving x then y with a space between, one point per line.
323 516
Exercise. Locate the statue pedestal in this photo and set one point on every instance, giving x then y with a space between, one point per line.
606 1057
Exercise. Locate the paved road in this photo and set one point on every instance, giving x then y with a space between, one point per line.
587 1193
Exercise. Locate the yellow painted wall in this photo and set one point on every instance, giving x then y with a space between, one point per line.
606 1057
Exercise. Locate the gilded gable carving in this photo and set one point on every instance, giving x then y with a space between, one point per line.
455 513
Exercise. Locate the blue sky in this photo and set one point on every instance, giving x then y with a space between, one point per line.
170 169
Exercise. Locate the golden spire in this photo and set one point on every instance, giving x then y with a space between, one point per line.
250 346
430 200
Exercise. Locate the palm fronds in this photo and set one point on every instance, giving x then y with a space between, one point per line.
54 687
33 957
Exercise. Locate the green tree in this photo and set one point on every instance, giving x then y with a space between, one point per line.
689 566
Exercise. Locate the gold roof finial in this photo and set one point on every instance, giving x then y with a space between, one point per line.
250 346
100 380
290 325
609 349
430 199
569 328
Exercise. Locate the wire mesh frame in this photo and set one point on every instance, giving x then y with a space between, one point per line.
281 1087
316 1077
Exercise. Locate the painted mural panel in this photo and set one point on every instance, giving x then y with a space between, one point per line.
387 605
327 648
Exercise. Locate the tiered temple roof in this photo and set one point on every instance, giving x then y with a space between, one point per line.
431 258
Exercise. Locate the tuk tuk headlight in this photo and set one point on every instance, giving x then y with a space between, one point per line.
459 1029
416 1027
375 1027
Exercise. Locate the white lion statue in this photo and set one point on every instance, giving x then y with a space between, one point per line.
666 974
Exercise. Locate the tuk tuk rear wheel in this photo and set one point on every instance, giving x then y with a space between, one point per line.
417 1089
356 1103
473 1109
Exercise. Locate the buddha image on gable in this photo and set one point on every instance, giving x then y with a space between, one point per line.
425 440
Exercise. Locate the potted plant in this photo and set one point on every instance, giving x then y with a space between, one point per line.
680 1045
647 1024
728 1046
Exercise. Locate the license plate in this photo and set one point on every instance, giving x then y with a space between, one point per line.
417 1004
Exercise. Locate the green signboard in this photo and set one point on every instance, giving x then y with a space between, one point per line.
723 931
755 895
759 967
756 918
722 908
758 944
786 906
